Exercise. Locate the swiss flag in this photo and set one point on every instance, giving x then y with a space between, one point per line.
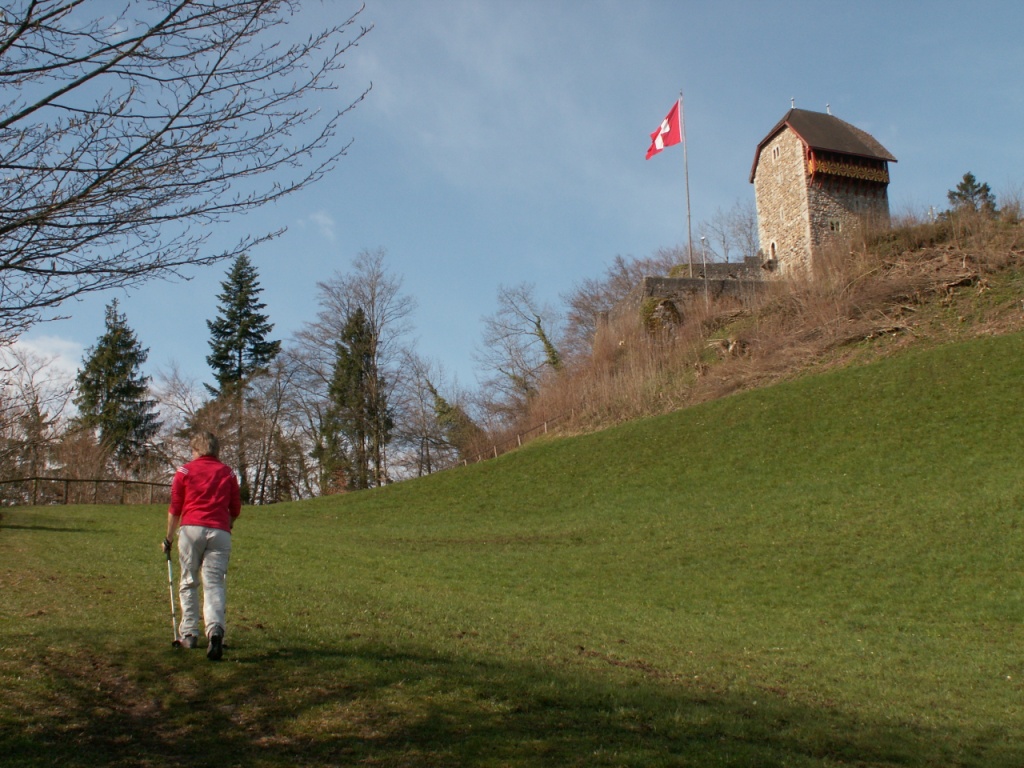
669 132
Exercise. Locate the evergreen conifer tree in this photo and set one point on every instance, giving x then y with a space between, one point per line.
969 195
112 391
239 347
358 415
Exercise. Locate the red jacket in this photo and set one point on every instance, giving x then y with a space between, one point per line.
205 492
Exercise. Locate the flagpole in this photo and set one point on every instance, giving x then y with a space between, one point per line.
686 173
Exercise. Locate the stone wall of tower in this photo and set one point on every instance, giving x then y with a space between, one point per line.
839 208
783 215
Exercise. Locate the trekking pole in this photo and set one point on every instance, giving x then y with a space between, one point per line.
170 588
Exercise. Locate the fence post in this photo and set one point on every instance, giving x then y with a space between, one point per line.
35 491
66 492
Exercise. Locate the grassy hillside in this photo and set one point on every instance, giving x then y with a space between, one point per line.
824 572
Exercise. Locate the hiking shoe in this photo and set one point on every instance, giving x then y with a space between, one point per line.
216 649
189 641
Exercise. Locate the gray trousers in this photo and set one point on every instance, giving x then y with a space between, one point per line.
204 553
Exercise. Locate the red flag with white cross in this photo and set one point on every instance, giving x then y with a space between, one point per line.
669 132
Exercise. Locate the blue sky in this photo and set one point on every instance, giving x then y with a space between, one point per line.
503 142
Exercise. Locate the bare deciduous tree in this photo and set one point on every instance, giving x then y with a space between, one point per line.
34 400
433 430
181 399
519 345
594 298
732 234
279 456
371 288
307 411
123 136
743 227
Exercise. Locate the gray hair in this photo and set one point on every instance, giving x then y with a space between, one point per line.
205 444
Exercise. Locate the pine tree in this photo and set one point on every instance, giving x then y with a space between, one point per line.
239 348
238 335
358 415
969 195
112 392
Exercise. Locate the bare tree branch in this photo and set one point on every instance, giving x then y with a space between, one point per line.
517 348
370 288
593 299
122 138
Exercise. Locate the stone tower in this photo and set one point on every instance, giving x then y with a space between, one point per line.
816 179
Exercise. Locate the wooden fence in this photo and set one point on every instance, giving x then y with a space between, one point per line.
61 490
516 442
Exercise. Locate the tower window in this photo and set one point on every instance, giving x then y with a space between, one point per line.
835 225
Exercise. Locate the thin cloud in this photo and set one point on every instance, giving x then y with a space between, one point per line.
479 91
60 355
323 223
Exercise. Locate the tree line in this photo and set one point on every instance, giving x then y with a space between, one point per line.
344 405
130 130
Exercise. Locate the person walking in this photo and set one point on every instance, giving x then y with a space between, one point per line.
205 503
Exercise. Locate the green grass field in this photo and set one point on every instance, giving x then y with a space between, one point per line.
821 573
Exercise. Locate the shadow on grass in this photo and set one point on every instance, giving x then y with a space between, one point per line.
48 528
378 706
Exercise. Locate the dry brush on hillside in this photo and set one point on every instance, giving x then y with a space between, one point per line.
921 282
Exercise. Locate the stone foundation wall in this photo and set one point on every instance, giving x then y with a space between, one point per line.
683 291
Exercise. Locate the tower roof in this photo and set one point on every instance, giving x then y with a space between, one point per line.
828 133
